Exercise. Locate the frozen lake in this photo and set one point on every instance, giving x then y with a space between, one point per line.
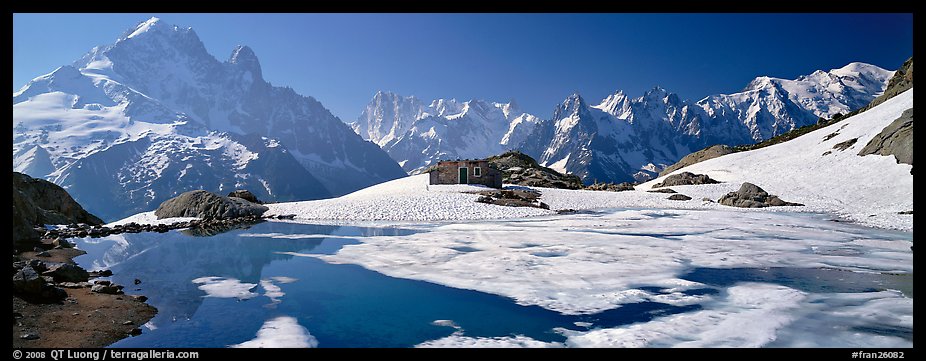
624 278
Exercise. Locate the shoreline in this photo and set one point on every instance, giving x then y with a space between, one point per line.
82 319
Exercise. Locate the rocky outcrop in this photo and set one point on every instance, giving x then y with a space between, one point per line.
519 168
203 204
246 195
679 197
685 178
899 83
54 300
752 196
24 217
512 198
896 139
713 151
841 146
610 187
662 190
37 202
57 238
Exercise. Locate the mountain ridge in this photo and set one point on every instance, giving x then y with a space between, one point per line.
622 138
156 96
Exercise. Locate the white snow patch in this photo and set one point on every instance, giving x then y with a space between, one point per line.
281 332
764 315
560 165
749 316
221 287
272 291
460 341
149 218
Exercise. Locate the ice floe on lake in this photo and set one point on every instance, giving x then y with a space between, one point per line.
281 332
222 287
588 263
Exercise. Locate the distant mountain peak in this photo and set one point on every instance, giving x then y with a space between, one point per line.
758 83
153 23
656 90
157 112
244 57
574 100
859 67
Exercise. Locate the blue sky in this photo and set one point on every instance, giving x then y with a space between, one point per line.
537 59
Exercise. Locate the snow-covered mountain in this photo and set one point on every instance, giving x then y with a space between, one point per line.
417 135
133 123
626 139
772 106
620 139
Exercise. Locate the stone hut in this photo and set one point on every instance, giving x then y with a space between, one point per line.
466 171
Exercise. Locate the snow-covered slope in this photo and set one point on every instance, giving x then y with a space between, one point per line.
130 124
811 169
418 135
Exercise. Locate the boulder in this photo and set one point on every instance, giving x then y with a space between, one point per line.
28 284
752 196
246 195
65 272
38 265
110 289
203 204
685 178
697 157
679 197
27 281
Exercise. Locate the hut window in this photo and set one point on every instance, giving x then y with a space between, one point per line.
477 172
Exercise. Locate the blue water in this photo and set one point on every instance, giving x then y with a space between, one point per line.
340 305
349 306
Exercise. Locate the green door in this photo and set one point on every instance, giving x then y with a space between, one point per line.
464 173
